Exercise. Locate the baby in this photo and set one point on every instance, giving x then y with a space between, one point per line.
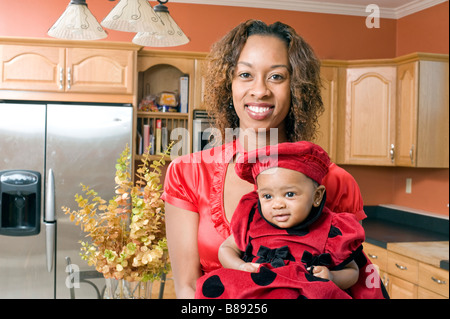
284 242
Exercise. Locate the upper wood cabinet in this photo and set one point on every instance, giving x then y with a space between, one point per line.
47 68
394 112
367 116
422 113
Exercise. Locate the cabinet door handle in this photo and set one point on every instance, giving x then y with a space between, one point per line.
61 78
438 281
411 154
392 152
372 256
401 267
69 78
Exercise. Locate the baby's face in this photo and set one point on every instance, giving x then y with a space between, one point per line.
287 196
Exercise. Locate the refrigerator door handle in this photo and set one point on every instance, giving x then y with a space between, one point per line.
49 219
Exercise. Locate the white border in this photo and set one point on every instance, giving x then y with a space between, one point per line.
322 6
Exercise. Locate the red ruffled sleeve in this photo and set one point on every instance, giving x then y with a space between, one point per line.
344 239
343 194
179 184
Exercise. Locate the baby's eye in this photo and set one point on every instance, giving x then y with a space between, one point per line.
267 196
290 194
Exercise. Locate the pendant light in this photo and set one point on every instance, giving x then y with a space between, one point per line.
133 16
77 23
172 35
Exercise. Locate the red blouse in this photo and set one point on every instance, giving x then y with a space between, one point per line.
195 182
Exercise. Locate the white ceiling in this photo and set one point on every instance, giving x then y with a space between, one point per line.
392 9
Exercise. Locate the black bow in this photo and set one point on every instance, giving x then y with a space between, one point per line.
275 257
315 260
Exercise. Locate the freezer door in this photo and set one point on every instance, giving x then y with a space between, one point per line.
83 144
23 268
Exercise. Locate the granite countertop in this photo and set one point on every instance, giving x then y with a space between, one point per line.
416 235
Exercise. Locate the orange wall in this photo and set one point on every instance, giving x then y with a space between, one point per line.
332 36
424 31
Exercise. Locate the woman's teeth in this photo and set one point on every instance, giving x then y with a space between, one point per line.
258 109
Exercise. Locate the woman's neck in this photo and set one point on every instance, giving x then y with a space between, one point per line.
251 139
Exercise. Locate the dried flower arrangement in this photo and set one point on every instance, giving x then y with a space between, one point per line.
128 239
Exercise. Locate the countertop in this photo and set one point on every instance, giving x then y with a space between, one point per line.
415 235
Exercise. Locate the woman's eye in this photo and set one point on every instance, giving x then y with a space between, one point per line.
244 75
277 77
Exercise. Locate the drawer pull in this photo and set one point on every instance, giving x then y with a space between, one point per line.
438 281
372 256
401 267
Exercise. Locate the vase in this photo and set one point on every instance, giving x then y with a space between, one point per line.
117 289
122 289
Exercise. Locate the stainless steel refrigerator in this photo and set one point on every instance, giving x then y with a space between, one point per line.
46 151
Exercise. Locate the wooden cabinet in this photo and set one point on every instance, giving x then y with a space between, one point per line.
422 113
42 70
33 68
394 112
408 278
367 116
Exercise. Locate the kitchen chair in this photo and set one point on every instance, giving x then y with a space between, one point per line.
86 276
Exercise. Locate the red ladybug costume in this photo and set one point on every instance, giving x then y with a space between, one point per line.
286 255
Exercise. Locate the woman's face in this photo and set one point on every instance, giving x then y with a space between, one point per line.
261 84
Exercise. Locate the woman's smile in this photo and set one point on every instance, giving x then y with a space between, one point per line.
259 111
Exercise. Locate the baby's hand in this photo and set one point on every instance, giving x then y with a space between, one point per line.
322 272
249 267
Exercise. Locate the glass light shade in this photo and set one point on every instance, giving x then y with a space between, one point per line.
171 36
133 16
77 23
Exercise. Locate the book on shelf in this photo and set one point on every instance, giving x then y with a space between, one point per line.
158 136
184 93
146 136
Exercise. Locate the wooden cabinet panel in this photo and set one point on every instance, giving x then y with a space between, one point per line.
377 255
327 133
369 124
401 289
434 279
99 71
403 267
31 68
422 114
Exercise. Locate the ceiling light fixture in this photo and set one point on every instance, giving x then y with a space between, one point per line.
172 35
77 23
133 16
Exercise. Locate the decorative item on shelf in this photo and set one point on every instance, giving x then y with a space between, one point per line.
148 104
77 23
133 16
171 36
128 240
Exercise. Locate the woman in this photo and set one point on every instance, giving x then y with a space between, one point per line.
261 80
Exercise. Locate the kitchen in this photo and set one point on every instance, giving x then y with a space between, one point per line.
335 37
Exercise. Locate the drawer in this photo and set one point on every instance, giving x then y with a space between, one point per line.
377 255
403 267
434 279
